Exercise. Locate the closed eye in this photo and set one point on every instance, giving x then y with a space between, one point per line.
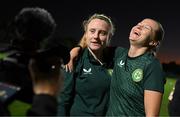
147 27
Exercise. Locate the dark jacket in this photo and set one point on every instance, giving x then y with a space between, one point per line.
86 90
43 105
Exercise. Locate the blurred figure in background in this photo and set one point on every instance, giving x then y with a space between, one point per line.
46 86
29 29
174 100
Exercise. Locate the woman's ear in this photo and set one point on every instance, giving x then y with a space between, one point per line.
154 43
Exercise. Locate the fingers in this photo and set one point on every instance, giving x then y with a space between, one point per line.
66 68
69 67
73 56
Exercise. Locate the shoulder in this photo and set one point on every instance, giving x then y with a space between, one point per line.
151 60
120 51
153 66
81 58
154 62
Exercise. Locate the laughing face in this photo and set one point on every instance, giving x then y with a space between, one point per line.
97 34
143 33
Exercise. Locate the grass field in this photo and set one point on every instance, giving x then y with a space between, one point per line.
18 108
168 88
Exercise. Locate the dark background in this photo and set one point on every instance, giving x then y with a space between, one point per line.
69 16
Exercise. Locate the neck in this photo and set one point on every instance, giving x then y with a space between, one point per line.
136 51
97 55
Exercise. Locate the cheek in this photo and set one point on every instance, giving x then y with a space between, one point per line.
146 34
105 41
87 39
88 42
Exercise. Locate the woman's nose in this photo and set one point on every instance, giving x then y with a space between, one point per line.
96 35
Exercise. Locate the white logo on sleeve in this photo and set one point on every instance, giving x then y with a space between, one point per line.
121 63
87 71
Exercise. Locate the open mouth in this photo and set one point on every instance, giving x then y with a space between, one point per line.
95 42
136 33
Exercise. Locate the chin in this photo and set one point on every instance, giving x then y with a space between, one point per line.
133 39
95 47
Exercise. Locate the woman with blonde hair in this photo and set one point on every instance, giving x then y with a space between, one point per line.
86 89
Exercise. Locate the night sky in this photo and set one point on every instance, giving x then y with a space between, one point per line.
69 16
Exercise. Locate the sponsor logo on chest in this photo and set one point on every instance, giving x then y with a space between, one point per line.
87 71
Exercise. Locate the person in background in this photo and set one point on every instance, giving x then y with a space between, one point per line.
47 83
138 80
29 29
46 86
86 89
174 101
